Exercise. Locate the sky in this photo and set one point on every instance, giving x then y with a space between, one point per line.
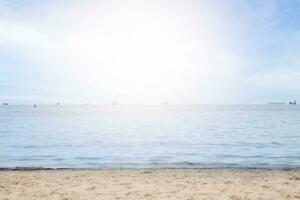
149 52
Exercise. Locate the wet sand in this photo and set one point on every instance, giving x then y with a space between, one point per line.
181 184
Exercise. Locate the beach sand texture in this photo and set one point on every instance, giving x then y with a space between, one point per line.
183 184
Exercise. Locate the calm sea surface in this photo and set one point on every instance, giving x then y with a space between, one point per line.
150 136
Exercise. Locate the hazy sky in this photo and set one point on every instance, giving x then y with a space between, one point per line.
181 51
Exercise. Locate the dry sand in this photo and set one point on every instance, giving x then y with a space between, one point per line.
182 184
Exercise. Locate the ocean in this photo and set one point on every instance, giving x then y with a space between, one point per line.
120 136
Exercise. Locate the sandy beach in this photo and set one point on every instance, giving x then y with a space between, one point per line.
189 184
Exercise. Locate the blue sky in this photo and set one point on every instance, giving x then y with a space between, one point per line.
149 51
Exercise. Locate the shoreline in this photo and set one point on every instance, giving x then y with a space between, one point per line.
134 184
147 168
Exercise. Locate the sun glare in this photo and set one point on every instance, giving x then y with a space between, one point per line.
141 53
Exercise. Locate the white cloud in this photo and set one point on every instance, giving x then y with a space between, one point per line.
22 35
283 78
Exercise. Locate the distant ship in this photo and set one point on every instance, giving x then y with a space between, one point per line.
293 102
5 104
34 105
276 103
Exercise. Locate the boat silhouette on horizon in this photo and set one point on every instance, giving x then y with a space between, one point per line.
293 102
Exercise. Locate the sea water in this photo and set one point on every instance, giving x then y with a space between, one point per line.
259 136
